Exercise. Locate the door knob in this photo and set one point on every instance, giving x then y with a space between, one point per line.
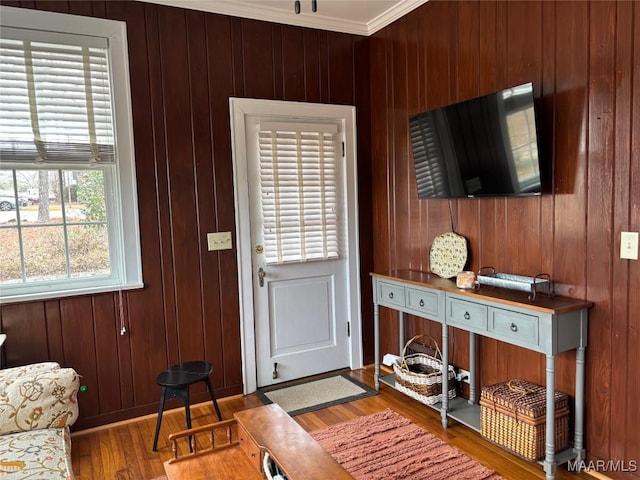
261 275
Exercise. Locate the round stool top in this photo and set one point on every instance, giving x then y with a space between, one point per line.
184 374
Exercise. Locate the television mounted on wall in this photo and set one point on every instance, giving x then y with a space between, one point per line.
485 146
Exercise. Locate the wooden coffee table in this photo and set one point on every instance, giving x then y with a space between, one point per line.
259 430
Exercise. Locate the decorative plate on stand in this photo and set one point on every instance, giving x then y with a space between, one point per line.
448 255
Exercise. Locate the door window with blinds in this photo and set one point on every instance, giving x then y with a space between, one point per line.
298 191
66 157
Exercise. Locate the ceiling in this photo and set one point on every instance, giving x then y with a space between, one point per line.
359 17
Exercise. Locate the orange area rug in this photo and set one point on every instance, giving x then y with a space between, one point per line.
387 446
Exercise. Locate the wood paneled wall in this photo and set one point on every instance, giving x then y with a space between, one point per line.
584 60
184 66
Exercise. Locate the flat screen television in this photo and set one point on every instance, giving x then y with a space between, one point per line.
485 146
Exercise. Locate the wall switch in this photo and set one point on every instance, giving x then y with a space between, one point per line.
629 245
219 241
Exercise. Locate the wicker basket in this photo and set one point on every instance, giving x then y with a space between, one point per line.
420 375
513 415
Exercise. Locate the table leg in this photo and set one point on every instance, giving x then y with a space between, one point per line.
578 442
376 345
445 376
472 368
550 444
401 332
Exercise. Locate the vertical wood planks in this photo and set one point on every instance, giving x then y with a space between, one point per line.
601 118
582 58
184 66
623 345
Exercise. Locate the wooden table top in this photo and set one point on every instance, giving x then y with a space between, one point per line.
299 456
295 451
543 303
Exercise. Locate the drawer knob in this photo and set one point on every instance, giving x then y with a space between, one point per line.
390 294
421 303
467 316
514 327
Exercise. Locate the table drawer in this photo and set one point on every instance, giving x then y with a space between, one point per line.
467 315
424 301
249 447
390 293
514 326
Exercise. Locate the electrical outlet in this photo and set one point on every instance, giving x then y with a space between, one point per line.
219 241
629 245
463 375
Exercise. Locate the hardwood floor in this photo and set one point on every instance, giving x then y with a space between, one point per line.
123 451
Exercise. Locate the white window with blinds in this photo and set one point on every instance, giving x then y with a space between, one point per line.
66 157
298 191
56 99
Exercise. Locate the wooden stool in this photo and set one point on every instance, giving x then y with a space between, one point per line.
175 382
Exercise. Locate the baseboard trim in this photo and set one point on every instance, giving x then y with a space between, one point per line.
179 409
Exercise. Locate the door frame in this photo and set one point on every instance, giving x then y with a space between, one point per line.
239 109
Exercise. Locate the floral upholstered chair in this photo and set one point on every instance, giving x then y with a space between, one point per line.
38 403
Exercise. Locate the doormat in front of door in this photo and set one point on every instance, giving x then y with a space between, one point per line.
314 394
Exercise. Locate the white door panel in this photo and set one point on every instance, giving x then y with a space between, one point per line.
304 332
299 313
288 334
301 325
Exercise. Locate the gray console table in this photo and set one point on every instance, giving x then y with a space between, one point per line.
548 325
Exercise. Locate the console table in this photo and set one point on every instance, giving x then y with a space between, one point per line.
548 325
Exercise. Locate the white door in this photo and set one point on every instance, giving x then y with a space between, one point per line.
301 244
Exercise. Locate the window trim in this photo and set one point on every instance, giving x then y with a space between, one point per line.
126 222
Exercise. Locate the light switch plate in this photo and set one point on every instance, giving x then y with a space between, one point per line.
219 241
629 245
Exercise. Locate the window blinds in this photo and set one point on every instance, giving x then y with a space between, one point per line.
298 191
55 99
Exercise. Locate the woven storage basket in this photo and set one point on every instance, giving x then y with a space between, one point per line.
420 375
513 415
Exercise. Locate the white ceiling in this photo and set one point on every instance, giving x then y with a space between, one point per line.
360 17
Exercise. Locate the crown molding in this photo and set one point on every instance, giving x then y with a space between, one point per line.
310 20
399 10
